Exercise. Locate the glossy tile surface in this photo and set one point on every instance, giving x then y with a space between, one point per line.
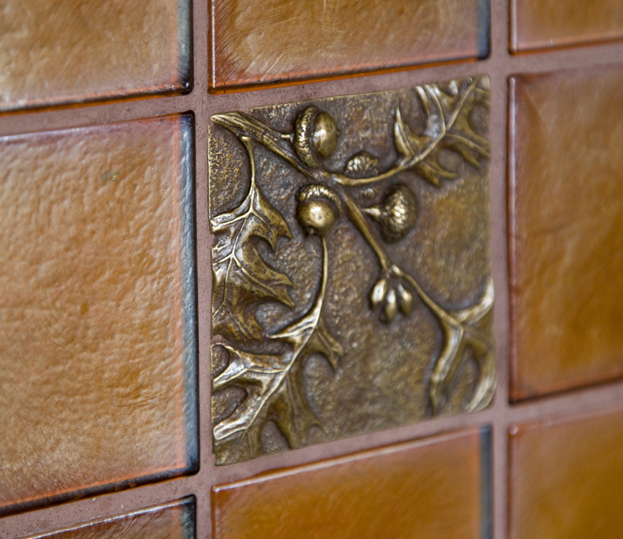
175 520
566 479
425 489
542 24
352 290
97 324
55 51
566 233
261 41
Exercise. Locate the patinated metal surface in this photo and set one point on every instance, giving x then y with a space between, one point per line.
352 288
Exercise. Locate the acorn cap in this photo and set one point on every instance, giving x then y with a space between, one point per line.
315 136
396 214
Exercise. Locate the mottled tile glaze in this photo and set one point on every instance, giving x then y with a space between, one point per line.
566 478
256 42
542 24
566 231
54 52
97 323
175 520
425 489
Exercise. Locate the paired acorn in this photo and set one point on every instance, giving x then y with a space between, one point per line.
393 299
314 140
397 213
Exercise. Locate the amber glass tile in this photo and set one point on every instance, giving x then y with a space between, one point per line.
175 520
538 24
425 489
97 331
261 41
566 230
566 479
55 51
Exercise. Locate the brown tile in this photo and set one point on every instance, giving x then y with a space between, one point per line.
97 344
262 41
566 231
566 478
55 52
424 489
175 520
539 24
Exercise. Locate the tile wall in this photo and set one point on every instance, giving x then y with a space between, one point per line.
106 282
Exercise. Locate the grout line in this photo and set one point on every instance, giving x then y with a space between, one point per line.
114 111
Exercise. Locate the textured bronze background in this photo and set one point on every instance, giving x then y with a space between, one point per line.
260 41
422 490
566 478
347 302
97 344
566 236
537 24
54 51
174 520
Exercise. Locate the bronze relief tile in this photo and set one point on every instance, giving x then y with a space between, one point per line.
264 41
68 51
566 231
542 24
175 520
97 309
566 478
352 287
426 489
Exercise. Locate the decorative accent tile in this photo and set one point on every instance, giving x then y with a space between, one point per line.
542 24
72 51
97 309
352 288
175 520
269 41
421 490
566 477
566 231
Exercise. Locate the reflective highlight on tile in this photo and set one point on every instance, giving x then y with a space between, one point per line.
542 24
77 50
425 489
97 309
566 478
256 42
175 520
566 233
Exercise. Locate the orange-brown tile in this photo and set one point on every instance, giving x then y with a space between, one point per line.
425 489
566 231
260 41
61 51
539 24
96 309
175 520
566 479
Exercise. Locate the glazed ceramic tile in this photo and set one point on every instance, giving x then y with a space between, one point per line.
97 309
